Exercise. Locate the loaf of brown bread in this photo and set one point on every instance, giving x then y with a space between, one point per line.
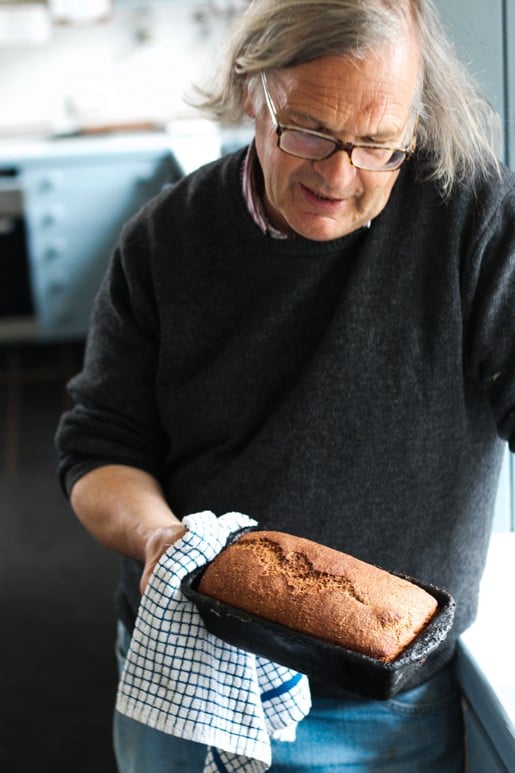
317 590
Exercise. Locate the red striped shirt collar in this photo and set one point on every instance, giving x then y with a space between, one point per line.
252 198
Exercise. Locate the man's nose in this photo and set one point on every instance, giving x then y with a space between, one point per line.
337 170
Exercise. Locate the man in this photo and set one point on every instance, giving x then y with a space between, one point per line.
316 331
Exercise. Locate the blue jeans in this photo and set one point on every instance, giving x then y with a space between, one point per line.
419 731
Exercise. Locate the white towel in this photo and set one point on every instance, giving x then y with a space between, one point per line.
182 680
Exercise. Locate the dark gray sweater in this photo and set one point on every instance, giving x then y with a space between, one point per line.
350 391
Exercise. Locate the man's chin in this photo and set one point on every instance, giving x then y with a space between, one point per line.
323 229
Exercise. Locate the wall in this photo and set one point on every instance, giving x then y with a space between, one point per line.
137 66
481 32
484 34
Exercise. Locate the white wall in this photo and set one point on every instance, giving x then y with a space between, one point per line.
137 66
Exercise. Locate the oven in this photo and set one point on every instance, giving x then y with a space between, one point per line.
15 288
62 205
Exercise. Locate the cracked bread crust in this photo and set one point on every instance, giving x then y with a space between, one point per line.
321 591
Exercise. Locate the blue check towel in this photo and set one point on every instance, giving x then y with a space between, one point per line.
182 680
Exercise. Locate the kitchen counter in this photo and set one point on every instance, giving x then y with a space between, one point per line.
486 663
192 142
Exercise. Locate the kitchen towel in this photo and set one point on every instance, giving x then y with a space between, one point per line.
182 680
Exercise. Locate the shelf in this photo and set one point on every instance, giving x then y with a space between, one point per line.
138 4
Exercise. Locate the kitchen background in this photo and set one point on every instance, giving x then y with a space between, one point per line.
92 123
134 66
63 197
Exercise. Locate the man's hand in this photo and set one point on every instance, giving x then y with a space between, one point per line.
125 509
157 544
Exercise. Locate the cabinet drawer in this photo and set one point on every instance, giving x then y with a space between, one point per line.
74 214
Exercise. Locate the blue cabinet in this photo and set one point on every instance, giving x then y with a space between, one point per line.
77 194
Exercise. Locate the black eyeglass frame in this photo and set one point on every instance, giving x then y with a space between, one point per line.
347 147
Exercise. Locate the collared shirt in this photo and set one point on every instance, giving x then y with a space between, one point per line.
253 199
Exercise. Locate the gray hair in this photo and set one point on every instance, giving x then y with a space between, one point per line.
457 130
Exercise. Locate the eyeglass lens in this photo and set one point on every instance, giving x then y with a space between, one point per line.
304 145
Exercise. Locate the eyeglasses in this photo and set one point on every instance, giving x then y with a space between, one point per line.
312 145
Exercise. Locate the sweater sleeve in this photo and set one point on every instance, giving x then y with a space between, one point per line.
490 328
115 418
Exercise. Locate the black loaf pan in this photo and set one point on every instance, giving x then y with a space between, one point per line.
315 657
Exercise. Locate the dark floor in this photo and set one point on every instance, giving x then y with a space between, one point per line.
56 648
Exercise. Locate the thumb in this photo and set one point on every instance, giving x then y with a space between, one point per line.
157 544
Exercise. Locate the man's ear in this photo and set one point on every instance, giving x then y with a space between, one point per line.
248 101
